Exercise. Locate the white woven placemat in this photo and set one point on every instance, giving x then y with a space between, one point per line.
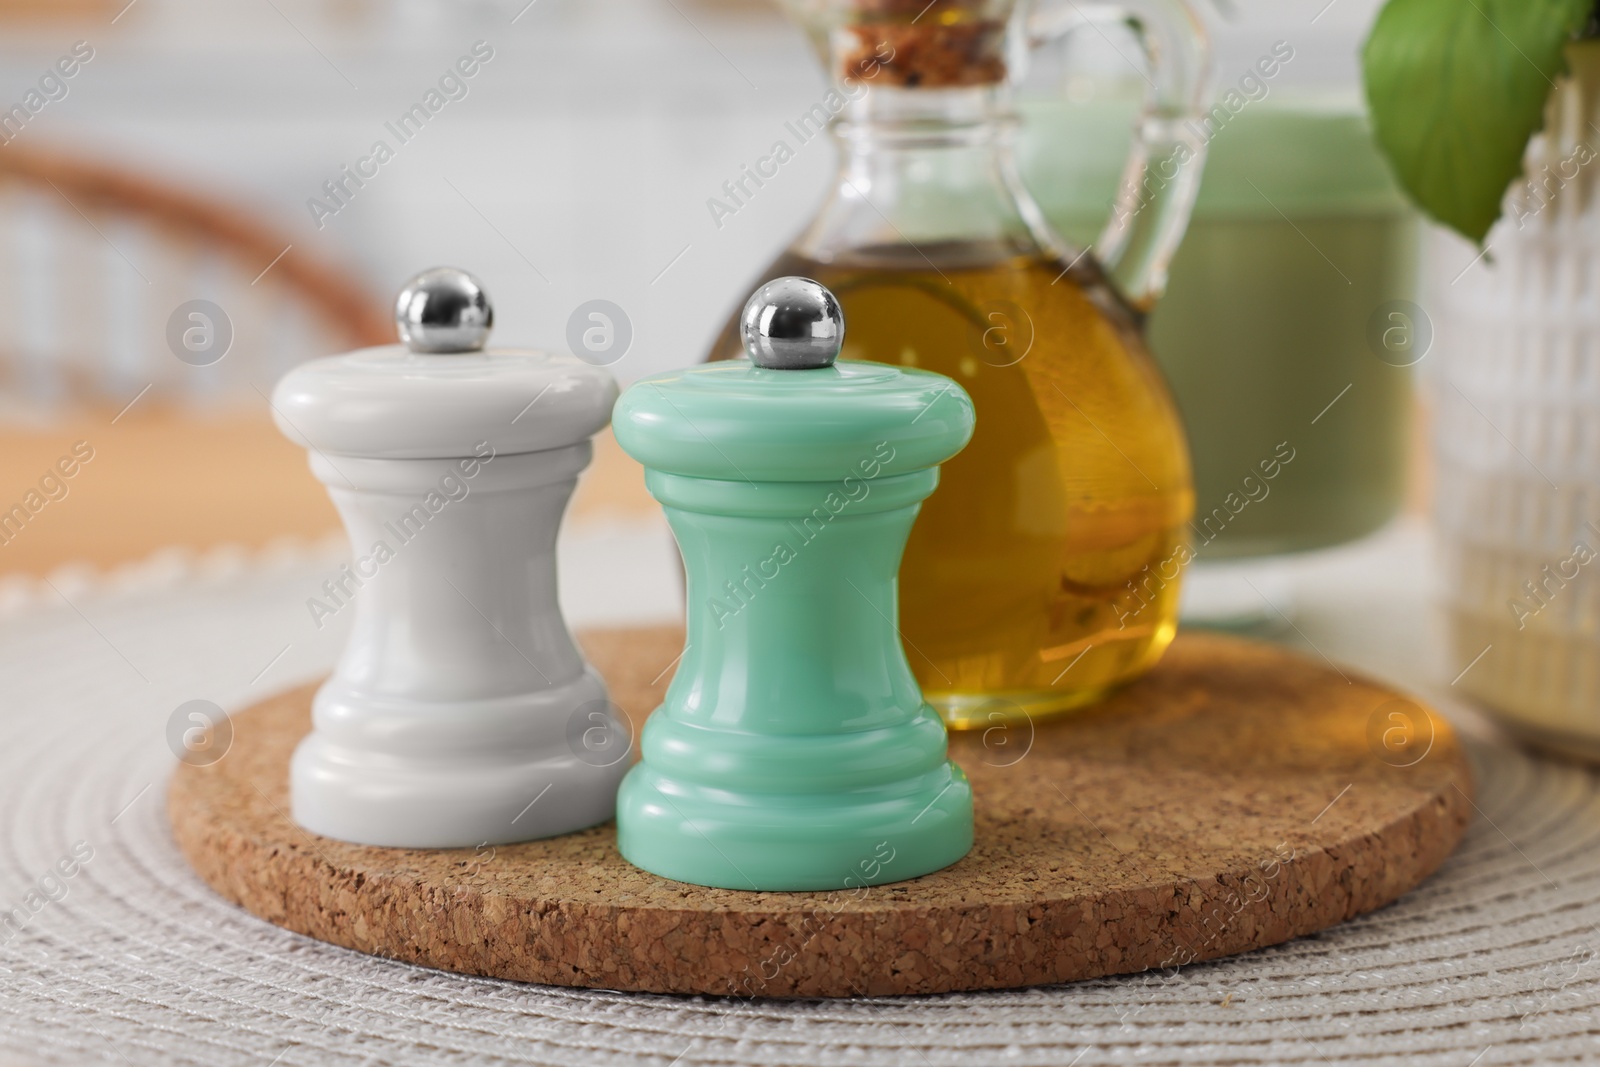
1493 961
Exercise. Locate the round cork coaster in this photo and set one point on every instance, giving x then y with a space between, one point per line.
1238 796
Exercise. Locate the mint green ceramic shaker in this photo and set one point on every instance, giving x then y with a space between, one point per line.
794 750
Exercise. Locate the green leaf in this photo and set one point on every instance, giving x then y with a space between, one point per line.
1456 89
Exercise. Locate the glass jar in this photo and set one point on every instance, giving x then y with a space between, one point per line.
1045 570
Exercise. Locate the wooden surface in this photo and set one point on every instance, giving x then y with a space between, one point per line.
164 478
1238 796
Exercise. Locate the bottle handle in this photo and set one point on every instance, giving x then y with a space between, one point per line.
1162 176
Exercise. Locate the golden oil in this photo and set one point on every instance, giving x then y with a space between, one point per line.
1044 570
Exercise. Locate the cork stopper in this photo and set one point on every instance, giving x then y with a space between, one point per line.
914 44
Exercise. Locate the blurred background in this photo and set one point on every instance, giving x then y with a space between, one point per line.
181 160
215 152
577 165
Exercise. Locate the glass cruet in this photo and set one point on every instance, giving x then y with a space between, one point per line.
1045 569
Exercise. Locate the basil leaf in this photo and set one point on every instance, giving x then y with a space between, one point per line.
1456 88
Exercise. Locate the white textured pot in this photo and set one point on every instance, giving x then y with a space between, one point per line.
1518 439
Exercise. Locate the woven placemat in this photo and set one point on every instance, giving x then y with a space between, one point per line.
141 963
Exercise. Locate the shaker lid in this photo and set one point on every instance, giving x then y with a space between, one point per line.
442 393
792 413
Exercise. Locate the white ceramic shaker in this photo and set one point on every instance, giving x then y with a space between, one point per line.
461 712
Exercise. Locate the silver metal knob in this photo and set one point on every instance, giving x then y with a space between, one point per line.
792 324
443 310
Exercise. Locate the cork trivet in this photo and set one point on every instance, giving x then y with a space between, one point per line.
1238 796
